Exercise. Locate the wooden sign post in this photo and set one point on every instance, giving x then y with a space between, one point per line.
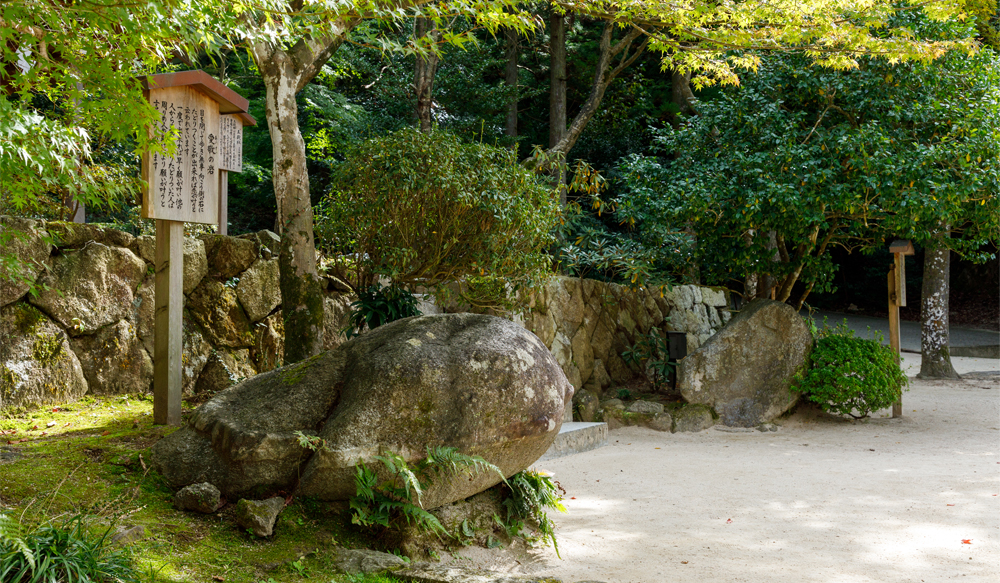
182 188
897 299
230 160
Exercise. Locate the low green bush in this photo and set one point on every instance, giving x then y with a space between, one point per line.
428 210
849 375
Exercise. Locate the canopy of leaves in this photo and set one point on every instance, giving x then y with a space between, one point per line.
427 209
821 157
716 39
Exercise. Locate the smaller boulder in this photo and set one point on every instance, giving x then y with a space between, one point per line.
259 289
661 422
692 419
586 404
259 516
645 407
745 371
203 497
229 256
127 535
358 561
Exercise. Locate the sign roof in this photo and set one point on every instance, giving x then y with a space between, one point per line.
229 101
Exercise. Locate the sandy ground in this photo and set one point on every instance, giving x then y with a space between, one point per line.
823 499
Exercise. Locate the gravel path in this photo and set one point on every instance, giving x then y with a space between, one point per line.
823 499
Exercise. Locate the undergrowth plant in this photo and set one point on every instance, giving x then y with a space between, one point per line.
65 553
849 375
378 305
531 493
398 498
651 353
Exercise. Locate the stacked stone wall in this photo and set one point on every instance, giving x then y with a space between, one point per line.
88 329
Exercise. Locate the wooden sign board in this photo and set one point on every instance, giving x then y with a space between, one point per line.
185 186
231 143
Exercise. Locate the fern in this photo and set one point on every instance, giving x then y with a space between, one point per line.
531 493
399 498
448 459
10 538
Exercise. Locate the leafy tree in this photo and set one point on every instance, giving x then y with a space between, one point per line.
803 158
290 43
428 210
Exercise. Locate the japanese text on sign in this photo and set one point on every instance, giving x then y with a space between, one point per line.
184 186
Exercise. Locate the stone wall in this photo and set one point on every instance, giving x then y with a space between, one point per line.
90 328
587 324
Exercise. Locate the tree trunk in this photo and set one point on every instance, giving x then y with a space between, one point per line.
285 72
935 359
603 76
557 76
424 71
510 79
681 96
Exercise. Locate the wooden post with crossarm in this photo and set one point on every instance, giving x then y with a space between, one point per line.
181 188
897 299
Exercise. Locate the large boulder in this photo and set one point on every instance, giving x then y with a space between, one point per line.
36 363
745 371
25 240
217 310
114 360
475 382
90 288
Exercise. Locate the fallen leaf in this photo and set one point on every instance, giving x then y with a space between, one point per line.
106 432
34 428
55 409
684 562
142 463
656 448
68 424
949 504
730 521
574 497
966 541
218 578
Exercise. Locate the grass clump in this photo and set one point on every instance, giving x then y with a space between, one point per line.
65 553
849 375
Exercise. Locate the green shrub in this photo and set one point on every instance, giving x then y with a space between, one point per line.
851 376
63 554
427 210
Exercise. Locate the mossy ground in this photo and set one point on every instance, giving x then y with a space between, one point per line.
93 460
